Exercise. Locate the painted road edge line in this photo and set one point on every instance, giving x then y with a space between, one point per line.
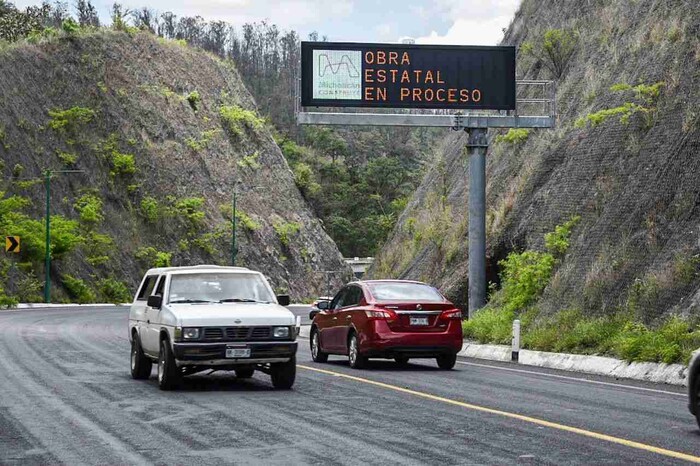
576 379
520 417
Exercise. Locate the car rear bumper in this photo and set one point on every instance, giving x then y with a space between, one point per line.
381 341
214 354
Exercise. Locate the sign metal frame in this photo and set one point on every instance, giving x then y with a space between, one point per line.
536 94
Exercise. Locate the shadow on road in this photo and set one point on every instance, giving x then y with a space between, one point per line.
389 366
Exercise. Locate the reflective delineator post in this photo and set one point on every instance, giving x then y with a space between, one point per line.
476 150
515 344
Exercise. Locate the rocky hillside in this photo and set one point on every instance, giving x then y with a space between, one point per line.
159 132
625 157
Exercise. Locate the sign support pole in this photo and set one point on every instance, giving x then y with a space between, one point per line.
476 150
47 257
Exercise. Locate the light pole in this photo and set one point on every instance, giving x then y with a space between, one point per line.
47 255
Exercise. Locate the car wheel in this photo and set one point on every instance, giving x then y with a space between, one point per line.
357 361
244 373
283 374
447 361
316 354
140 364
401 360
697 399
169 376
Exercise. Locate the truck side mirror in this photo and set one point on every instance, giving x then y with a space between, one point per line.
323 305
283 299
155 301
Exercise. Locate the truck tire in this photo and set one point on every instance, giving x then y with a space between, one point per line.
316 354
283 374
245 373
140 364
169 375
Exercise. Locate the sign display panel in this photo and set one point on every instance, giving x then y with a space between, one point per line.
337 74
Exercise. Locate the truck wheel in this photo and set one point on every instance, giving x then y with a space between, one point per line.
244 373
284 373
316 354
446 361
140 365
169 375
696 385
356 360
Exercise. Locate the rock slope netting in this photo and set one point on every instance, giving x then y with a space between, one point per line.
632 171
160 132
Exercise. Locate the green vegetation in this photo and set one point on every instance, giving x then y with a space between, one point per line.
113 291
514 136
250 161
202 143
122 164
150 209
237 120
647 94
89 206
71 119
554 50
524 276
152 257
193 98
78 290
285 231
68 159
190 209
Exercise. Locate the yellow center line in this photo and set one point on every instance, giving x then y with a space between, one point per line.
520 417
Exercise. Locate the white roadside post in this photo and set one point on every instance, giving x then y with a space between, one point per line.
297 326
515 346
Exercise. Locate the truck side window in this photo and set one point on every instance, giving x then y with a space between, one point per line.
147 288
160 287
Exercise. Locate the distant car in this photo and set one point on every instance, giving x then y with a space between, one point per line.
190 319
390 319
694 385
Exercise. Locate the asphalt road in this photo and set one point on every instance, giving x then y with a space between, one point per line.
66 397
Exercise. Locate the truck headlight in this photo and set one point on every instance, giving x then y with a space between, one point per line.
191 333
280 332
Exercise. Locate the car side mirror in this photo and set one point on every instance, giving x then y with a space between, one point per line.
323 305
312 314
283 299
155 301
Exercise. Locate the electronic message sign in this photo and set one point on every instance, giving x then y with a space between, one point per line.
337 74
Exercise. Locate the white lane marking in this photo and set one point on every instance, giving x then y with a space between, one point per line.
596 382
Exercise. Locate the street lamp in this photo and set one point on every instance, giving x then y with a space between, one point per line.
47 255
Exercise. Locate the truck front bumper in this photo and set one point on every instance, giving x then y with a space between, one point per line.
214 354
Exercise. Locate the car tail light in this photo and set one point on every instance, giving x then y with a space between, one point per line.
452 314
380 315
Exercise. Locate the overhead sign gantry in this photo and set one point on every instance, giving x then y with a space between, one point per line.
469 88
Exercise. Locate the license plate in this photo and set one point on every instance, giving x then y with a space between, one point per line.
237 352
419 321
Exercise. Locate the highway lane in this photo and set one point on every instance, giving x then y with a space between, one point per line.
66 397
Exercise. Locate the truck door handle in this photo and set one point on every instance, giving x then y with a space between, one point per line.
348 317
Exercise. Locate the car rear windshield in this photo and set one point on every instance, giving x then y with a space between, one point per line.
219 287
405 292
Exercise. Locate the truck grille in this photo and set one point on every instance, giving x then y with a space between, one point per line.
237 333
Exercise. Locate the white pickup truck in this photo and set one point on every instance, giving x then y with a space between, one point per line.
190 319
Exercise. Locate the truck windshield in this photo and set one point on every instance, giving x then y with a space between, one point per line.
218 287
397 291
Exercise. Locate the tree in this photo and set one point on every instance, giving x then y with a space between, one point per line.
146 20
553 50
15 24
87 14
119 15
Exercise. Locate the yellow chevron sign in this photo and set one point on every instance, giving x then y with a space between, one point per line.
12 244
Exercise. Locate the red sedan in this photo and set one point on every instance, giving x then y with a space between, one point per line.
390 319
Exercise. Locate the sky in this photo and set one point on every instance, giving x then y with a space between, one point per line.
459 22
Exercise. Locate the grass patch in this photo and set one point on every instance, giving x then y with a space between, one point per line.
286 230
250 161
237 120
70 119
514 136
79 291
153 257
